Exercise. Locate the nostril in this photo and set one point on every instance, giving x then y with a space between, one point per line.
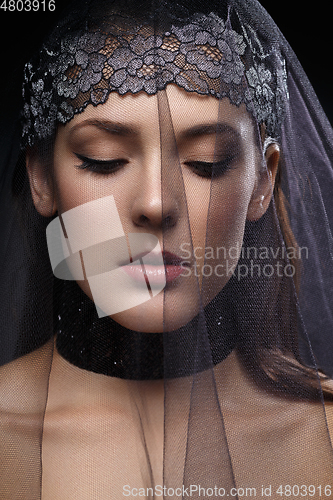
144 219
168 221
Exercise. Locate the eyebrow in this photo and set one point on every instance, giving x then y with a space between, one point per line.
113 128
122 130
210 129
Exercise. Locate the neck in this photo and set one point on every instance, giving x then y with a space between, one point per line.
103 346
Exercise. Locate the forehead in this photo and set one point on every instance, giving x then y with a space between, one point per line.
174 109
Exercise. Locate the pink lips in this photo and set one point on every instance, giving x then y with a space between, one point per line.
173 266
155 274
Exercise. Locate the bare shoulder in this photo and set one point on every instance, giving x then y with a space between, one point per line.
23 380
23 396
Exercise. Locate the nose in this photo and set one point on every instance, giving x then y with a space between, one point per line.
157 203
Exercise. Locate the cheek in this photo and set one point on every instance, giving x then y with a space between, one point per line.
198 199
227 214
74 188
217 211
71 190
217 225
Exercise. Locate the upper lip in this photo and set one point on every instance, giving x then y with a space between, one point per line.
169 258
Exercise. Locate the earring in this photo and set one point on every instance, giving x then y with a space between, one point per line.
261 203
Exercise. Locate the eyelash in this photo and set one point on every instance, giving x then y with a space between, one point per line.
207 170
100 167
200 168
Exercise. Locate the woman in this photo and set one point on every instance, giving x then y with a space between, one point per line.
175 178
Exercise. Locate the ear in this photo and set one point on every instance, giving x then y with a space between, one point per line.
41 184
263 191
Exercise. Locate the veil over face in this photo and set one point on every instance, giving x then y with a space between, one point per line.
166 288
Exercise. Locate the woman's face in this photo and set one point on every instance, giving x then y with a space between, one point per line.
147 163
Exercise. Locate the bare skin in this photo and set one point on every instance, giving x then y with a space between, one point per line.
106 451
92 438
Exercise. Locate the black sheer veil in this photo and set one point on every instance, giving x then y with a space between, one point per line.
232 395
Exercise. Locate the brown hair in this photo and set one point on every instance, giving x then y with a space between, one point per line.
275 362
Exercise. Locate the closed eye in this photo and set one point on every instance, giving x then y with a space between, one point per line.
211 169
103 167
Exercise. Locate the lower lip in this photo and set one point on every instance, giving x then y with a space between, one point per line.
157 275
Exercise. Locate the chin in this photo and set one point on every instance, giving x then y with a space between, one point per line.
162 313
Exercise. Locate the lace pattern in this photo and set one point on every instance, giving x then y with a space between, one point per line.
205 56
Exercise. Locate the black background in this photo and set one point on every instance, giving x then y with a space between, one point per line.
306 26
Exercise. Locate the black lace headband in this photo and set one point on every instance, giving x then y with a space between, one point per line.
204 56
